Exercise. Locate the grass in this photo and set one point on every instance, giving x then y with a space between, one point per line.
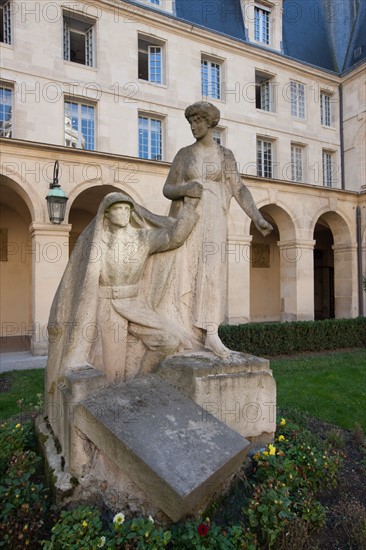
329 387
16 385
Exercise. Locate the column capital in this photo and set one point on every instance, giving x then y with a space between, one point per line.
344 247
49 229
244 239
299 243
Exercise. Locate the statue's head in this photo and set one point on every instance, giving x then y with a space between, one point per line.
205 110
117 208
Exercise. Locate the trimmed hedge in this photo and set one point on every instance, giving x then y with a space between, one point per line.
294 337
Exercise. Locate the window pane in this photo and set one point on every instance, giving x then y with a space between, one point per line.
261 25
264 158
79 126
6 101
6 23
150 138
155 64
204 77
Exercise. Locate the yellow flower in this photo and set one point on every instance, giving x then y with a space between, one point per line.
272 449
283 422
85 523
265 453
281 438
18 425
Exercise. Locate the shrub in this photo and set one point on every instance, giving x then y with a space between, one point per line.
24 499
288 338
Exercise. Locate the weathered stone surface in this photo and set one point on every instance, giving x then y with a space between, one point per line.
240 390
175 451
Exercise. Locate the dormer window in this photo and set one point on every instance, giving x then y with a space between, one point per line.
262 24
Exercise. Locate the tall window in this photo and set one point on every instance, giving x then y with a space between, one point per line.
79 40
210 79
79 125
261 24
264 158
328 169
6 108
150 138
150 61
326 109
297 163
264 99
6 22
297 91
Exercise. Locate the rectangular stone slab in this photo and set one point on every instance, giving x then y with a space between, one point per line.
167 444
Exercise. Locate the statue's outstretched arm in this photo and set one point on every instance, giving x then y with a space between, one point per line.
174 236
243 196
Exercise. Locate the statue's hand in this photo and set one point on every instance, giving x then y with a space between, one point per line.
263 227
193 189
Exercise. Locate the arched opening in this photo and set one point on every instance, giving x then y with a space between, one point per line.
273 276
84 209
335 276
265 298
324 305
15 270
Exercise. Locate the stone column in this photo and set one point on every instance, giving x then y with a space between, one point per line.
345 280
50 254
238 263
297 280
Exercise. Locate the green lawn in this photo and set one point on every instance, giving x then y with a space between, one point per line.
330 387
17 385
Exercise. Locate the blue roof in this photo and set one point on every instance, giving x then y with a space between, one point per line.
329 34
224 16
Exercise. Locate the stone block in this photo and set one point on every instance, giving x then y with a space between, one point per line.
239 391
176 452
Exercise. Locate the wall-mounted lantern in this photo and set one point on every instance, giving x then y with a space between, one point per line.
56 199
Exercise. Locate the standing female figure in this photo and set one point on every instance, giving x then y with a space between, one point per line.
206 173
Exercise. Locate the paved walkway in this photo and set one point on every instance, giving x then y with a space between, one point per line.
21 360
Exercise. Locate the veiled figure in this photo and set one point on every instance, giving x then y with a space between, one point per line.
204 174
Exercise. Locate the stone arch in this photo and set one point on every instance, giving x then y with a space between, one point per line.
335 266
19 186
16 212
272 271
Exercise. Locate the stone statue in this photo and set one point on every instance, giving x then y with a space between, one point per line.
100 301
204 172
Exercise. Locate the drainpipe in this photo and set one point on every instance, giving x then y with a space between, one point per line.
341 135
359 261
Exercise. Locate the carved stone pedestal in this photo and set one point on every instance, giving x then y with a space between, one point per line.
239 391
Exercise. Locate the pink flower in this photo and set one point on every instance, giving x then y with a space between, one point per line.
203 529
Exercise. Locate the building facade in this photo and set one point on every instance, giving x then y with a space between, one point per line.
102 87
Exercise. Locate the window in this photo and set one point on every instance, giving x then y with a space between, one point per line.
218 135
79 40
157 2
264 158
6 107
261 24
326 109
6 22
210 79
297 163
79 125
328 169
264 99
150 60
297 91
150 138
